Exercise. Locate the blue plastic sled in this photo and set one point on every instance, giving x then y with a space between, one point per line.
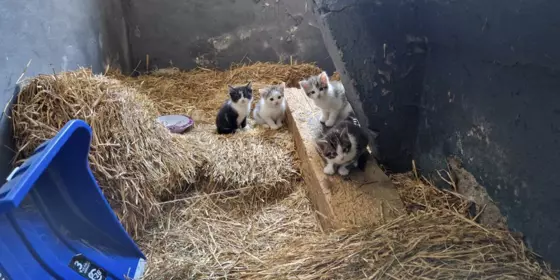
54 221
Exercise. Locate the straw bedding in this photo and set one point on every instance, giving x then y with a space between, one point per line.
258 163
201 239
134 159
138 162
200 93
185 196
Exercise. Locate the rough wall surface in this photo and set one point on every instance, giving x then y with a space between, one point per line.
475 79
381 62
55 35
217 33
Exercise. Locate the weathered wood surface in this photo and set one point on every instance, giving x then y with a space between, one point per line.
363 199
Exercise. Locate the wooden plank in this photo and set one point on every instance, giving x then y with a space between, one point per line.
364 199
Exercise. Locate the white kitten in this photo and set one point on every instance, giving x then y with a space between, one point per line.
329 96
271 109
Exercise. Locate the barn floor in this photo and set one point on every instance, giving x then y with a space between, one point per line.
208 235
242 211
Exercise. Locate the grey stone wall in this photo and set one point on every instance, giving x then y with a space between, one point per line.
217 33
58 35
55 35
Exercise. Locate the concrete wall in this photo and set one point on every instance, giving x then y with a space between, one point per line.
55 35
217 33
474 79
58 35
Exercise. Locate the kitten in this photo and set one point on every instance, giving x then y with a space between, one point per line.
329 96
233 114
271 109
342 146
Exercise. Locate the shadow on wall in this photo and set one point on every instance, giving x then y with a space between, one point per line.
217 33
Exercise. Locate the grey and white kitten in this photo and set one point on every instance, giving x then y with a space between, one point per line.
270 111
342 146
329 96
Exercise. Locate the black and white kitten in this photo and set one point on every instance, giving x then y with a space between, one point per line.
233 114
342 146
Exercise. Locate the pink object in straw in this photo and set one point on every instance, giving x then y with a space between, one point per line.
176 123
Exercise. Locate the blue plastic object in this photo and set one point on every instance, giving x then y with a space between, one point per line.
55 222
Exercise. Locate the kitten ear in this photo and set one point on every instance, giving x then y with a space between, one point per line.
320 144
324 78
282 87
249 84
263 91
231 88
304 84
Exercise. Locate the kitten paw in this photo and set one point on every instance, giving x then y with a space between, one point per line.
329 123
323 119
275 127
329 170
266 126
343 171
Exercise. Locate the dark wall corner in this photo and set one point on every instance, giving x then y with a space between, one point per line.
478 80
114 44
380 51
336 56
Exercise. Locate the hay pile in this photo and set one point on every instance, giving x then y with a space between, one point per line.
200 93
203 240
185 196
139 163
259 162
207 239
135 160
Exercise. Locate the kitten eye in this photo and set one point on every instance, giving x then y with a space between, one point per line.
279 97
312 92
272 99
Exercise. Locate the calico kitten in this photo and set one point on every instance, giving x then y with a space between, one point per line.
343 146
271 109
233 114
329 96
